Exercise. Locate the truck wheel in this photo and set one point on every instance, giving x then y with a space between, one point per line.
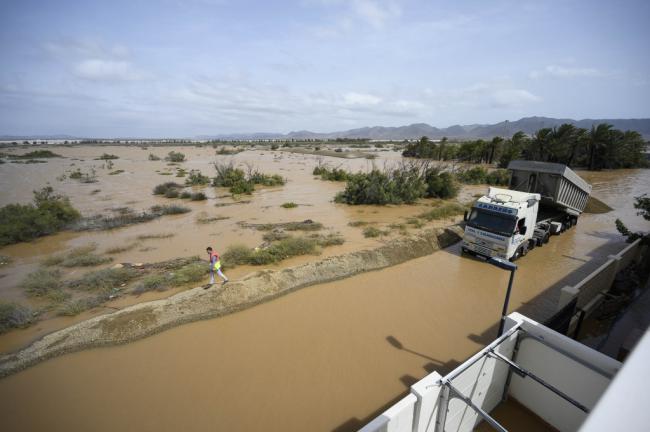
532 243
524 250
516 255
540 241
546 238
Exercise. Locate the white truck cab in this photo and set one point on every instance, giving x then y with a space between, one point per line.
501 223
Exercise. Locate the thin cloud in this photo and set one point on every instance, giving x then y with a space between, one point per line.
565 72
107 70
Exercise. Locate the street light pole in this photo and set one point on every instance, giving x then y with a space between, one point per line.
506 265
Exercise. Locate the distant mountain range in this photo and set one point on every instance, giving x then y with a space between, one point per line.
528 125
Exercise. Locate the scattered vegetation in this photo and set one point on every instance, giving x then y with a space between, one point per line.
84 177
13 315
48 214
193 272
153 157
171 193
42 282
155 236
289 205
36 154
104 279
279 250
642 203
78 257
119 171
173 156
128 217
224 151
306 225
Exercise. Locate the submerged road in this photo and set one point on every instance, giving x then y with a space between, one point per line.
327 357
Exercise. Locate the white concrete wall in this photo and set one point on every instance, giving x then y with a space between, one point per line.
398 418
427 392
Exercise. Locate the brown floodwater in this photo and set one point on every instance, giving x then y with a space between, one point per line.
327 357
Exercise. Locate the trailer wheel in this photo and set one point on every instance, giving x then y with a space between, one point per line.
546 238
539 241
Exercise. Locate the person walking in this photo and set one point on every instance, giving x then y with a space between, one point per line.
215 266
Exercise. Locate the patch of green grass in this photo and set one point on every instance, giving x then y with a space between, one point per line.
152 282
274 235
103 280
289 205
173 156
155 236
170 209
75 307
415 222
171 193
371 232
443 211
193 272
153 157
119 171
41 282
162 188
13 315
36 154
120 249
106 156
204 218
357 223
198 196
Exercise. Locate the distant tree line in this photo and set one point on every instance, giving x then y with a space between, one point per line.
602 147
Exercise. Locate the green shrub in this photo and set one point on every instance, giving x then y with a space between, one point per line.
237 254
274 146
41 282
173 156
171 193
153 157
198 196
289 205
190 273
119 171
331 174
162 189
13 315
186 195
371 232
83 177
170 209
476 175
79 257
498 177
441 185
227 175
49 213
195 178
242 187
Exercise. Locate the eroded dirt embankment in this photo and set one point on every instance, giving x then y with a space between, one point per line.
146 319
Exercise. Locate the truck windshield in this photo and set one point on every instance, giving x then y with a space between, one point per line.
493 222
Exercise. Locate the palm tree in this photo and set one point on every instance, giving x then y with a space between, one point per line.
599 139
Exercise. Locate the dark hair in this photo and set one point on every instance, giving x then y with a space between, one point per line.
208 248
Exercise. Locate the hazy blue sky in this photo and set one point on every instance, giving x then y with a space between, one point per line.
190 67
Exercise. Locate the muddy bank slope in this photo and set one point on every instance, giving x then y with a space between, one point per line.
146 319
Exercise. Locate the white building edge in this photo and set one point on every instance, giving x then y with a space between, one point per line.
566 384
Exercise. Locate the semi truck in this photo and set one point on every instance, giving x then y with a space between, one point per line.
543 199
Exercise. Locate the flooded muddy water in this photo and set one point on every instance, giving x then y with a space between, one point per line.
133 189
327 357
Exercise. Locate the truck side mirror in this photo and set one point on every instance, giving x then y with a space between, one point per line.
522 231
465 216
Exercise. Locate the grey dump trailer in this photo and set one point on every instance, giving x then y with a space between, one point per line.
543 199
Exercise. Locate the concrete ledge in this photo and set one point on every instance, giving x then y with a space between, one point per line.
145 319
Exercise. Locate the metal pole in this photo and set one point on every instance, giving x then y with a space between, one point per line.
505 303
